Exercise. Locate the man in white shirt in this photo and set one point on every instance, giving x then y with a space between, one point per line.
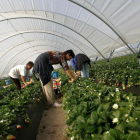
21 70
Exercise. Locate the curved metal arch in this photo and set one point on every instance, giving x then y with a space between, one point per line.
41 32
32 51
18 54
27 58
46 33
71 18
28 42
103 22
14 63
64 26
24 59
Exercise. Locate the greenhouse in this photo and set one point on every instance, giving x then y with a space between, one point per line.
70 69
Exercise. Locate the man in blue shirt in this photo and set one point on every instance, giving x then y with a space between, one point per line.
73 63
80 63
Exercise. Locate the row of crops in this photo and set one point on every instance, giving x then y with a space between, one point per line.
124 71
94 111
14 104
104 111
99 112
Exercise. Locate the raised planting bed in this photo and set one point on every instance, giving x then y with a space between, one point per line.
34 115
134 89
99 112
17 106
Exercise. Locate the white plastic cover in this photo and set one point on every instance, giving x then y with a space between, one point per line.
93 27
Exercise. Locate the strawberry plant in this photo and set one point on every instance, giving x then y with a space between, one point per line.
122 71
96 111
14 104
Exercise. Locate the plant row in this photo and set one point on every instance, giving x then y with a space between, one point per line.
124 71
99 112
14 105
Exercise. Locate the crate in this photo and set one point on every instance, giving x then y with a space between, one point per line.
55 74
8 82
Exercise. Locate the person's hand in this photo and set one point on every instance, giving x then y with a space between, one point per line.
71 80
78 73
31 80
25 84
22 86
28 83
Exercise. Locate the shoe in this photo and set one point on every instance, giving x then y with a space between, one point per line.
56 104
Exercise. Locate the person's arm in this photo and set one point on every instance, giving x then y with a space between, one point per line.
31 80
78 73
71 75
30 77
65 66
23 74
72 63
24 80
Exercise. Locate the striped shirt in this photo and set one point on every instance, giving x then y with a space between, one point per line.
56 57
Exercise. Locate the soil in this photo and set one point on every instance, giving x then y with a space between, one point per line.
52 126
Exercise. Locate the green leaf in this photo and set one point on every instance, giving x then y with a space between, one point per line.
99 130
123 103
133 126
126 137
137 108
90 128
96 101
136 114
136 132
99 109
107 137
104 115
133 136
80 119
94 117
116 134
106 106
87 137
69 121
100 121
79 109
121 127
116 114
81 126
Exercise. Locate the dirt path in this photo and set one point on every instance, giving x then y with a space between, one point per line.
52 126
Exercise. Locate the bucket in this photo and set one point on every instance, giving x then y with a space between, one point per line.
7 82
27 78
55 74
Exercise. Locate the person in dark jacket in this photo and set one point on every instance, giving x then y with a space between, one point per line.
43 68
80 63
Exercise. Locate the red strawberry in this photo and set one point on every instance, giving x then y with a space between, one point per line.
19 127
11 137
27 121
58 83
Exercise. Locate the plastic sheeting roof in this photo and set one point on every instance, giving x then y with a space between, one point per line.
93 27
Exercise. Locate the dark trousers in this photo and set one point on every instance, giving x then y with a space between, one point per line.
17 82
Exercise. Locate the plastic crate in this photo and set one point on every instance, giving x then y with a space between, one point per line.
7 82
55 74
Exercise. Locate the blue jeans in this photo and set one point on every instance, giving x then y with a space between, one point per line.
84 70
